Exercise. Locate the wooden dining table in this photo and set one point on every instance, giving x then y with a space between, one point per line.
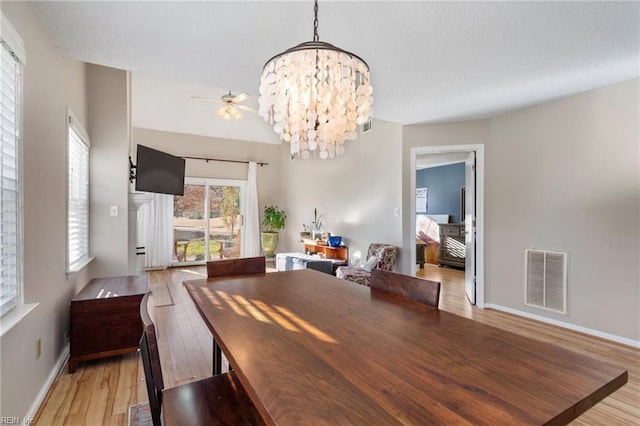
312 349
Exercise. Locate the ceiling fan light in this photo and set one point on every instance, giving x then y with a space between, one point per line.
229 112
315 93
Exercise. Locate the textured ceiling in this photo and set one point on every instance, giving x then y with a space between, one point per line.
430 61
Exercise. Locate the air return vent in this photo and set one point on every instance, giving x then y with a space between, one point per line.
546 280
367 126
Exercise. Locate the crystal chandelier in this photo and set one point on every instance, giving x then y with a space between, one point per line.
315 95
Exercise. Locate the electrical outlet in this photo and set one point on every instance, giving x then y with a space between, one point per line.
114 211
38 348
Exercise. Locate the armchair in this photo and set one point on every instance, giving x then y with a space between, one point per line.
379 256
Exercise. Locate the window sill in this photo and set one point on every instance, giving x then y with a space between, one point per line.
14 316
76 267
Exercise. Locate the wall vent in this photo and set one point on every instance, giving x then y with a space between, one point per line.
367 126
546 280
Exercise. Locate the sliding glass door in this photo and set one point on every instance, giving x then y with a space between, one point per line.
207 220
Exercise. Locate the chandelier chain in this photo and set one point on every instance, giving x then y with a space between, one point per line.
315 21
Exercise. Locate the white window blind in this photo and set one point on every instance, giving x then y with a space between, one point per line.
78 196
10 176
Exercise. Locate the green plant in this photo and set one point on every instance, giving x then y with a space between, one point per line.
317 220
273 219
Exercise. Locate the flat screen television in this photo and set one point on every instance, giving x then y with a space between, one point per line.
157 171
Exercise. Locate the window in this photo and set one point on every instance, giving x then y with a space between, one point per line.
12 57
78 195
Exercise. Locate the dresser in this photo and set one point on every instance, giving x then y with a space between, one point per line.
105 318
452 245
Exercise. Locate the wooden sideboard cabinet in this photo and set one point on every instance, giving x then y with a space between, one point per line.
452 245
334 253
105 318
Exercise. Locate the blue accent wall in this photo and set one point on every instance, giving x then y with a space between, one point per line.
443 185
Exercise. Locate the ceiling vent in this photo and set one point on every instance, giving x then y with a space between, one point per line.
546 280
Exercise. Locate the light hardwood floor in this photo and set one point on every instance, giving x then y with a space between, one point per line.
100 392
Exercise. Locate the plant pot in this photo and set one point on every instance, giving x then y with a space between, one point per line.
269 242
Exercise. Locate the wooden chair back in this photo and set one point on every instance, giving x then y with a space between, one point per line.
240 266
417 289
215 400
151 362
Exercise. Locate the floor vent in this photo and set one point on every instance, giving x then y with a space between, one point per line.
546 280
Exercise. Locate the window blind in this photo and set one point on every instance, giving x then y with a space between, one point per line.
10 187
78 196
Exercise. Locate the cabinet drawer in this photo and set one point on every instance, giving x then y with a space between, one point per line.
100 333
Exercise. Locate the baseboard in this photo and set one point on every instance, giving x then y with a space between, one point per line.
35 406
585 330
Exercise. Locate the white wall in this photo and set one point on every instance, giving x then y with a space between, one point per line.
357 192
565 176
51 83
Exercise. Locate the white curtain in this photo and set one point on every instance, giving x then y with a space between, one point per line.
155 230
251 235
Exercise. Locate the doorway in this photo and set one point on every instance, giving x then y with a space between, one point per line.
208 220
473 157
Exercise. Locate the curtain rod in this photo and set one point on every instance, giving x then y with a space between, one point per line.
223 160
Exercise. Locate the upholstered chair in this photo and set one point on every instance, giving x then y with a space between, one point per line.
379 256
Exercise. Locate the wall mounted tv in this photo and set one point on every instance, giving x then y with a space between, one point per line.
157 171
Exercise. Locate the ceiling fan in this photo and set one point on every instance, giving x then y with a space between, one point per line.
230 110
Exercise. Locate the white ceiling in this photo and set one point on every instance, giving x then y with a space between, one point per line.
430 61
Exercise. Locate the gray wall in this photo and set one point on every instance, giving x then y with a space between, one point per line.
563 175
109 172
51 83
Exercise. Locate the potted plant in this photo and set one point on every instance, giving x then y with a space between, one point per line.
272 221
317 225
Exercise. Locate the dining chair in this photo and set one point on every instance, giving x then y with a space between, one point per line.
215 400
227 268
416 289
240 266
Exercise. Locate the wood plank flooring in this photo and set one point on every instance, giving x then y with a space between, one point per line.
100 391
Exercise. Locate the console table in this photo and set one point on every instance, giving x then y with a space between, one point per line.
337 253
105 318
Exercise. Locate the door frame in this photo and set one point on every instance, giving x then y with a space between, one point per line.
479 173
